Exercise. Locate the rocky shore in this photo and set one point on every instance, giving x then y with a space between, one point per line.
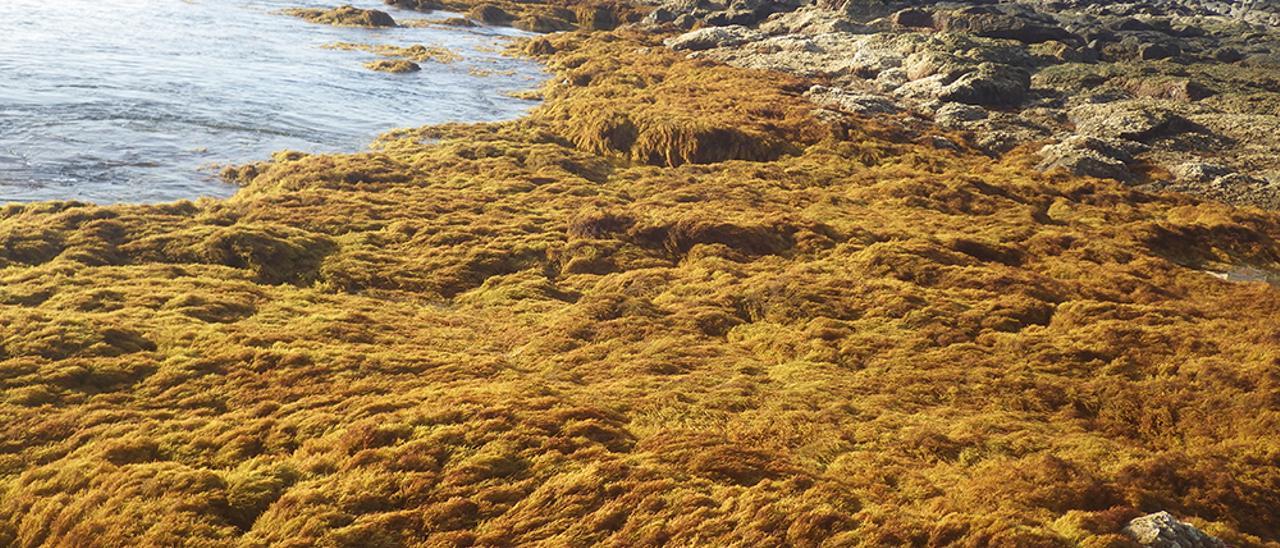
911 285
1179 95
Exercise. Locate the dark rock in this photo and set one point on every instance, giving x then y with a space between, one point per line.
491 14
1153 52
913 17
1227 55
419 5
1177 90
549 21
999 25
1129 24
597 17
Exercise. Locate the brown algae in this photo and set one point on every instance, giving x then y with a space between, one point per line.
676 304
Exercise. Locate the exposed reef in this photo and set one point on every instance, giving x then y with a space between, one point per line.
417 52
394 66
344 16
680 303
539 15
1181 95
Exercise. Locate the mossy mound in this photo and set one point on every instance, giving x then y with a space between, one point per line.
580 328
394 66
551 15
344 16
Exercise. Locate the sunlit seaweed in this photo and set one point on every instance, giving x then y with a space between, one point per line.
417 52
675 304
394 66
344 16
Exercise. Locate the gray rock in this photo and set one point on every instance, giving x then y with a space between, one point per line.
954 115
1162 530
1089 157
1128 120
865 104
1009 26
990 84
1199 172
713 37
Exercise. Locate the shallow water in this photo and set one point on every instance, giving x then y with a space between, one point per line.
138 100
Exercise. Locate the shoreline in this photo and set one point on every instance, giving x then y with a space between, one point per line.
678 302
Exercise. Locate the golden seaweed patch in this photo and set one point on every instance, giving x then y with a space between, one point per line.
675 304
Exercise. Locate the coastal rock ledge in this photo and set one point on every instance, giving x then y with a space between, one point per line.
1162 530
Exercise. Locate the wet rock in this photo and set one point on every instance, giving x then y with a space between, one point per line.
345 16
686 13
990 84
419 5
712 37
1162 530
547 21
1128 120
490 14
597 17
393 66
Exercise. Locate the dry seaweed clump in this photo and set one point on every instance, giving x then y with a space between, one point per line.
638 107
344 16
394 66
565 331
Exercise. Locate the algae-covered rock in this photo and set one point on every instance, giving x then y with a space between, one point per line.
394 66
419 5
490 14
345 16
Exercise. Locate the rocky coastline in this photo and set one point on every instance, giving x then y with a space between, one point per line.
758 273
1178 96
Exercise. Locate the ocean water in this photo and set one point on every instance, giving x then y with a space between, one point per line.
114 101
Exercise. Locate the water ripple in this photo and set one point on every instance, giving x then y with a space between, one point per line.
132 100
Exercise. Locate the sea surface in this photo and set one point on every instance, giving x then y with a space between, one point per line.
114 101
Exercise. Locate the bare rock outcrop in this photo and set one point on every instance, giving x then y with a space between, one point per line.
1162 530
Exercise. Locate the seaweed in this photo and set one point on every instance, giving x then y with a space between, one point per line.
675 304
